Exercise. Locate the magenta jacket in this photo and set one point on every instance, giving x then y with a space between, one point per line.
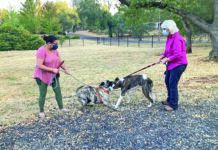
175 50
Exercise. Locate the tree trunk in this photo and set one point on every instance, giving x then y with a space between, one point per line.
189 42
188 35
214 51
214 33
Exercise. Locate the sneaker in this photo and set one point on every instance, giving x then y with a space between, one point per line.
64 110
168 108
41 115
164 102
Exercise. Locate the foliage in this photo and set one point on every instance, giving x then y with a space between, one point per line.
11 18
29 15
17 38
68 16
49 22
119 25
3 14
92 16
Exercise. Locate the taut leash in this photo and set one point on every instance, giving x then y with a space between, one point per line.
148 66
77 79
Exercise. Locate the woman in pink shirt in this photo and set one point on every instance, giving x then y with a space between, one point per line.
47 72
174 56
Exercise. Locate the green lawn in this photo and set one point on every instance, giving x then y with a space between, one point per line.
93 64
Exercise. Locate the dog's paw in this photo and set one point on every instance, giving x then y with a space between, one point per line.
115 108
149 105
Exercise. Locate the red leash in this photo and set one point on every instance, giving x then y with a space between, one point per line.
148 66
54 75
60 64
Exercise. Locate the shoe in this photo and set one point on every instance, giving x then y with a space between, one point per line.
42 115
64 110
168 108
164 102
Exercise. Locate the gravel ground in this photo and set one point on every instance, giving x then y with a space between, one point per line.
138 127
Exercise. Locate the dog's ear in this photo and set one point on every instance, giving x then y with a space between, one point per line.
110 83
116 79
102 84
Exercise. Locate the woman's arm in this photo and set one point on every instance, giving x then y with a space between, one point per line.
176 50
43 67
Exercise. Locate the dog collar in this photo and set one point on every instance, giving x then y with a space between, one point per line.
103 89
99 95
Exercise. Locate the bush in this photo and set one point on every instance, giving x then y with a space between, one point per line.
17 38
75 37
72 37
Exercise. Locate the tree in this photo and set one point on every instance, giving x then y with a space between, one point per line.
68 16
11 18
3 14
49 21
93 16
17 38
207 24
140 21
119 24
29 15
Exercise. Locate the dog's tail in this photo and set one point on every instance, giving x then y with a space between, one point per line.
150 83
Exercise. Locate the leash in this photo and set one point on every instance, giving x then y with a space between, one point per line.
148 66
54 75
76 79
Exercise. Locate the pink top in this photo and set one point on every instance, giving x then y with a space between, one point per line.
51 60
175 50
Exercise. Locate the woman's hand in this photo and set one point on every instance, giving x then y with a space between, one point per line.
165 60
160 59
66 71
56 71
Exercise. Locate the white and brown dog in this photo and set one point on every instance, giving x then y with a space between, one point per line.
95 95
128 83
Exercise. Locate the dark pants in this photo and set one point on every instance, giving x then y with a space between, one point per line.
43 91
171 80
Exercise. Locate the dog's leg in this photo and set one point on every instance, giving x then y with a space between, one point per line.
118 101
83 101
128 96
149 95
123 93
106 103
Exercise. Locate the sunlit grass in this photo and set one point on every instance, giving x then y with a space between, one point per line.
92 64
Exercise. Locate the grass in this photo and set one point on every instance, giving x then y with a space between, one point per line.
93 64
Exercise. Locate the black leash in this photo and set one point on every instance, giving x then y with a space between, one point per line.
148 66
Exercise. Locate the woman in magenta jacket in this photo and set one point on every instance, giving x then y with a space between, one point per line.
174 56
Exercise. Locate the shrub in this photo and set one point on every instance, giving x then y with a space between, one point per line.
17 38
72 37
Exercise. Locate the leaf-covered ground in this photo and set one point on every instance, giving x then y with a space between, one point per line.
136 127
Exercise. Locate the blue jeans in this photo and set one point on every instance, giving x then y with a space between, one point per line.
171 80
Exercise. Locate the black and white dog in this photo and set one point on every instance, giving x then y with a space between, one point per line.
130 82
92 95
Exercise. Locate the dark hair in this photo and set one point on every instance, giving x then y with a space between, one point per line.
49 39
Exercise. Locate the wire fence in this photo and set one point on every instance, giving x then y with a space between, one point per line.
152 41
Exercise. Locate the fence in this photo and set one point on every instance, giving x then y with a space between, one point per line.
151 41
